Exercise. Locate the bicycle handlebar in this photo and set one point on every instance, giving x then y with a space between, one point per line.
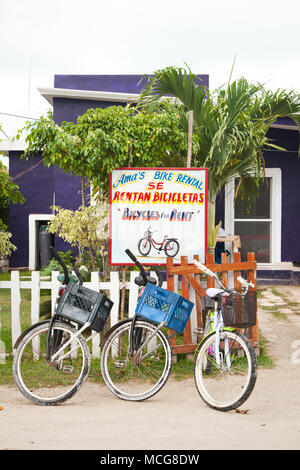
158 274
204 268
142 270
138 264
77 272
244 282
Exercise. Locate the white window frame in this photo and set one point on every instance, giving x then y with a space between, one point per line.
33 222
275 213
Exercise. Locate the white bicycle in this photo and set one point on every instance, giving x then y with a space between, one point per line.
225 364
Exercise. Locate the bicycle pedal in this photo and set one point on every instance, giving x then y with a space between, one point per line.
68 369
120 364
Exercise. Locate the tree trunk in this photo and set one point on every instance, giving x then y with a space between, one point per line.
94 265
90 246
82 192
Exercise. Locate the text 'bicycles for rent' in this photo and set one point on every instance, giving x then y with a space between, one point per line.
137 358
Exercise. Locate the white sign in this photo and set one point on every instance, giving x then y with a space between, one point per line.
157 213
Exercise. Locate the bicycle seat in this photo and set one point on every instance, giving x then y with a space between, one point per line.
212 292
140 281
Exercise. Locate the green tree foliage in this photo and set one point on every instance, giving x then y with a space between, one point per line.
85 228
105 139
100 141
9 191
6 247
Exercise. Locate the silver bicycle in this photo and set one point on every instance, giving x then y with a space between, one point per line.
225 363
52 357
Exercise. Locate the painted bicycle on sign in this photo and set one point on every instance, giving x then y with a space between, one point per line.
169 245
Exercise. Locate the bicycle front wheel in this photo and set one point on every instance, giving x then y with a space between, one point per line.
53 382
225 373
141 375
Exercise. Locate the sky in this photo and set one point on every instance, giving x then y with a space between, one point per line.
41 38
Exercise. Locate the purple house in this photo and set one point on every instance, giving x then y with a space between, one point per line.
271 228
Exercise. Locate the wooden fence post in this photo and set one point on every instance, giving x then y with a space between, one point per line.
199 314
187 334
254 332
171 286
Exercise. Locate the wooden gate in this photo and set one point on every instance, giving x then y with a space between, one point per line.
190 278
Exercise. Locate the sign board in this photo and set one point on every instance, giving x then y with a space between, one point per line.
158 212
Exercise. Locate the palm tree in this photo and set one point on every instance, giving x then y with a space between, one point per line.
229 129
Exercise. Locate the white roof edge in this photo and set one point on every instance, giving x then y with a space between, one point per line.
50 93
8 145
285 126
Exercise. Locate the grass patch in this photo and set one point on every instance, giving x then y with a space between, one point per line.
275 292
183 368
264 360
274 311
286 300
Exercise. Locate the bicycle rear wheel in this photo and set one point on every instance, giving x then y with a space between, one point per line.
51 383
171 248
142 375
225 374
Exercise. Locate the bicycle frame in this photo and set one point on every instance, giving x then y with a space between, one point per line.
54 317
215 324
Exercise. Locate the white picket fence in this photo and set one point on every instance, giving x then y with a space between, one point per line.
113 286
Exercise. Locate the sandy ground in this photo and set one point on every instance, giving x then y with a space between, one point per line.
176 418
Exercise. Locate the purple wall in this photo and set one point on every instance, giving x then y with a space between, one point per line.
290 172
116 83
65 109
38 186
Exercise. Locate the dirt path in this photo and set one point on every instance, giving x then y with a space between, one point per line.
176 418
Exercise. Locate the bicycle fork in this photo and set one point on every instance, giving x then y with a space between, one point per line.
143 343
218 325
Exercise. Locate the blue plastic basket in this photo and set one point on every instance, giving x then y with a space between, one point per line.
158 304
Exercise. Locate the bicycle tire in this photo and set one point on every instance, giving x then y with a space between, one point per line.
211 382
175 249
144 251
46 384
126 377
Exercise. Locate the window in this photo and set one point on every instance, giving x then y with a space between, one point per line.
260 227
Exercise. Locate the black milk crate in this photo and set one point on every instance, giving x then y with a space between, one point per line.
80 305
158 304
240 311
